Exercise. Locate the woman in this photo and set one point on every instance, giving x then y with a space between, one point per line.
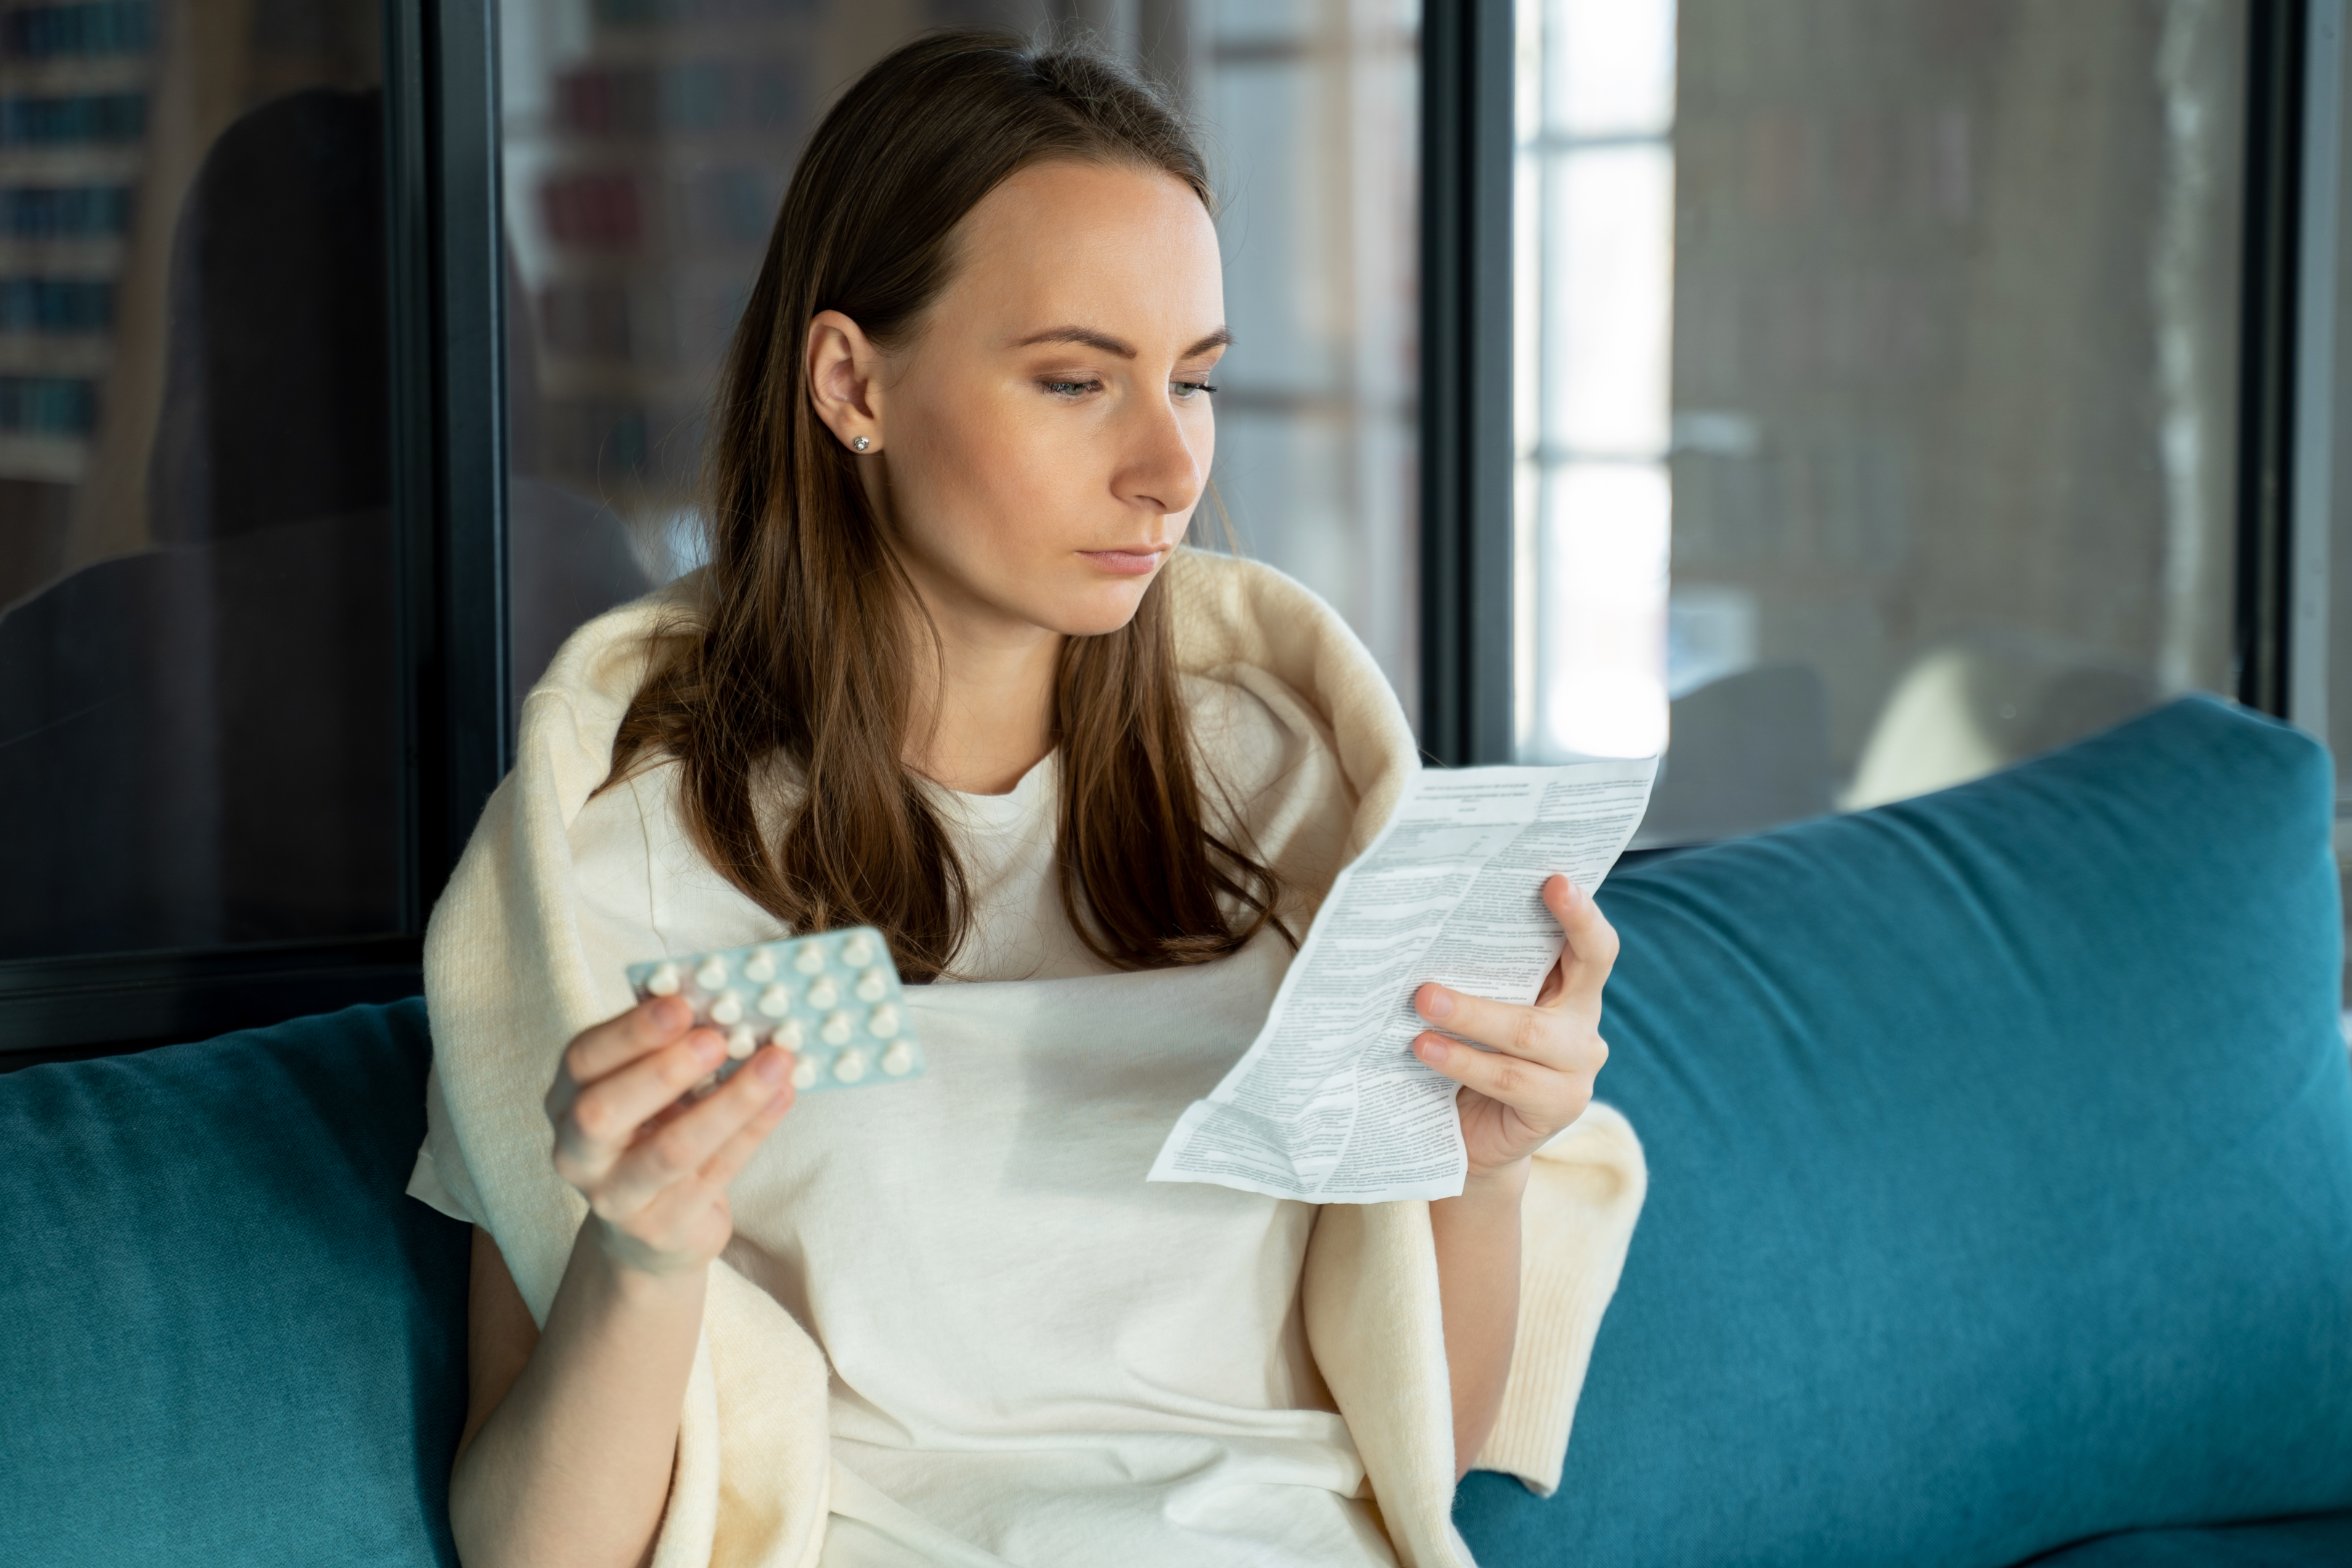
933 679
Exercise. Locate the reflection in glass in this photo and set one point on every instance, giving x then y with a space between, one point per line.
1954 292
648 148
198 735
1311 115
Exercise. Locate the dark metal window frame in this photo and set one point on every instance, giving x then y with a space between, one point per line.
1465 381
2288 328
443 273
2277 65
446 274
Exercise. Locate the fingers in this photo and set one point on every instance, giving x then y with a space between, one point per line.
678 1152
1553 1036
736 1152
690 1217
607 1113
1592 950
1528 1032
1547 1098
615 1043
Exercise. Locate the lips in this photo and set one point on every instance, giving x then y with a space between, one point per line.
1125 562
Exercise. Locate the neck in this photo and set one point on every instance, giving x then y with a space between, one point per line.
984 713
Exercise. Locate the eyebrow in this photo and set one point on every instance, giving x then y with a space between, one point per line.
1112 345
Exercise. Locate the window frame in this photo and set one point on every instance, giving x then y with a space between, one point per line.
446 271
444 267
446 274
1467 542
2278 65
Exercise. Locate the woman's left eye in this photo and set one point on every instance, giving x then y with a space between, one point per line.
1187 389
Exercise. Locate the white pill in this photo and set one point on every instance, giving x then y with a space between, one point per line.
857 951
849 1066
712 974
803 1073
836 1030
883 1022
728 1009
823 993
898 1060
761 967
742 1042
775 1001
872 985
810 959
663 981
788 1035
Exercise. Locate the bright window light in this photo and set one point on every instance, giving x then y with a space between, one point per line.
1595 297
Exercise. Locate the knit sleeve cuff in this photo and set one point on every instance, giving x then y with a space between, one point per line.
1577 1219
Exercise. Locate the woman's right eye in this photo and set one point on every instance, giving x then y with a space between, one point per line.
1069 388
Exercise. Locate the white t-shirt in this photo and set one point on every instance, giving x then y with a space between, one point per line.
1037 1358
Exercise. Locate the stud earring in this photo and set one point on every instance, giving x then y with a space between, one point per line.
860 443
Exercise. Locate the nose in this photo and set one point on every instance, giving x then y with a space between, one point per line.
1166 463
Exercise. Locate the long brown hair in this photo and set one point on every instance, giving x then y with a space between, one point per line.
799 647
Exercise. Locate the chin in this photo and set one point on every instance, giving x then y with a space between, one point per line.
1103 608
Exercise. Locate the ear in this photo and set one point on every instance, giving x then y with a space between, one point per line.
845 379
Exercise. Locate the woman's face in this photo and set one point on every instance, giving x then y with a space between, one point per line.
1039 446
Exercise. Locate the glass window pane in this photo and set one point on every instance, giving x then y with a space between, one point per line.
646 151
1949 370
1312 118
198 719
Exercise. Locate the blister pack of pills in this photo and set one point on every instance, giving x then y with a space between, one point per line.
833 1000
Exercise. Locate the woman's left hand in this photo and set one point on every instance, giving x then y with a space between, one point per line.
1537 1077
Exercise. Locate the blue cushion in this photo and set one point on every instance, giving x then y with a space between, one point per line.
230 1337
2001 1151
2322 1542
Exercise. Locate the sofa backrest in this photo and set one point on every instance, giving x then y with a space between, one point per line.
2000 1173
230 1336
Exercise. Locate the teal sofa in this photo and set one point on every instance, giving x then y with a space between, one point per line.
2001 1151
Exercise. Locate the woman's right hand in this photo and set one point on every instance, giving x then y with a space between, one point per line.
654 1170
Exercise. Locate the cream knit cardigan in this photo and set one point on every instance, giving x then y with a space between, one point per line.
507 985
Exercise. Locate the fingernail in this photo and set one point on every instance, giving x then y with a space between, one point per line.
771 1065
1574 894
710 1047
1440 1004
669 1013
1429 1048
